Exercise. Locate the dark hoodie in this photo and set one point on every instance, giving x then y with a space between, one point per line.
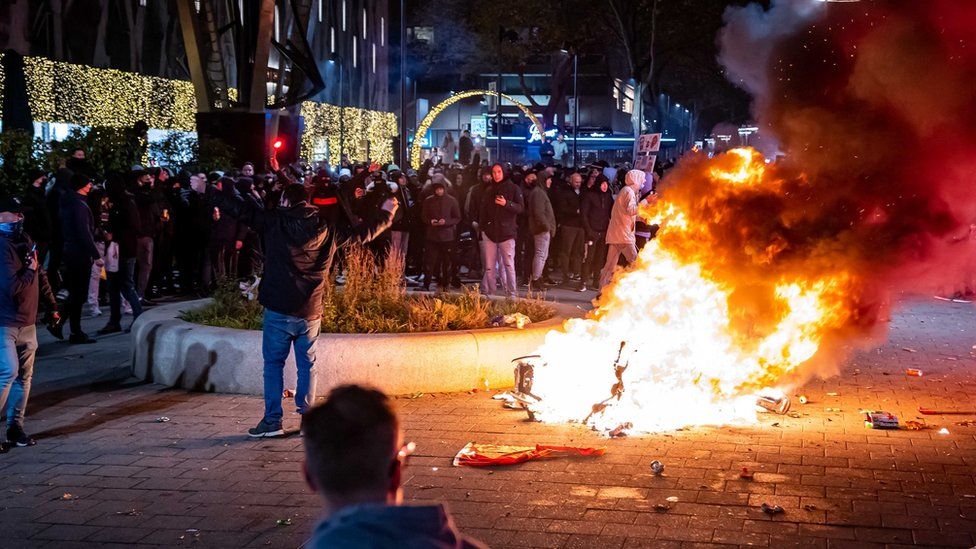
387 526
596 208
298 250
500 223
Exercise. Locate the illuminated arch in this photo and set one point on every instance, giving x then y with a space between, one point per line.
425 124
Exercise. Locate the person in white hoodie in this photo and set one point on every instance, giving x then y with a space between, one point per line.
621 239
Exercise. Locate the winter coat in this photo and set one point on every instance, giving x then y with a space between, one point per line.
375 526
37 218
441 207
298 250
500 223
124 223
623 217
150 211
21 288
567 205
77 227
541 217
596 209
465 148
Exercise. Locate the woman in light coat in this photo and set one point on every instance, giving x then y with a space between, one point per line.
623 218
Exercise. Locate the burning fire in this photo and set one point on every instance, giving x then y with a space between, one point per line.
700 324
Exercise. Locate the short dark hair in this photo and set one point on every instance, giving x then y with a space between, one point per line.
295 193
350 440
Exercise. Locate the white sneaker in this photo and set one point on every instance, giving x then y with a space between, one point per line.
96 310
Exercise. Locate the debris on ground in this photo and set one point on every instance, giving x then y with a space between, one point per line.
967 423
809 507
284 522
880 420
130 513
772 509
802 399
831 394
913 425
162 419
832 410
946 412
67 497
662 507
776 404
746 474
943 431
620 430
909 349
288 393
671 499
657 467
484 455
415 396
913 372
516 320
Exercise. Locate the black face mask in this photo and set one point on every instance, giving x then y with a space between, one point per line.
12 229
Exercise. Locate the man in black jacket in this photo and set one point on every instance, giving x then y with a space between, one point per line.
440 213
597 205
150 213
567 204
465 148
299 247
123 225
77 228
22 284
500 204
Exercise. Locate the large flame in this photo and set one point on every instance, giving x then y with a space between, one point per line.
699 326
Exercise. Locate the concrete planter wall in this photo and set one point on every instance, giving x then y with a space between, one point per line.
173 352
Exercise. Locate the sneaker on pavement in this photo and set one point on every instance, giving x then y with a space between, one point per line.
110 329
17 436
266 430
80 339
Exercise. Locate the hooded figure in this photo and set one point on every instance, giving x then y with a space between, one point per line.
501 203
620 233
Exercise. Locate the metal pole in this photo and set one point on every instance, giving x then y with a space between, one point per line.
403 84
498 114
342 109
576 106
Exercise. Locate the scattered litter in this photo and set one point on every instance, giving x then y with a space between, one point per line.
943 431
162 419
67 497
794 415
912 425
776 404
130 513
967 423
425 487
831 394
288 393
802 399
936 412
620 430
809 507
772 509
832 409
284 522
17 491
518 320
969 495
909 349
657 467
415 395
672 499
746 474
483 455
857 371
662 507
880 420
435 469
914 372
776 424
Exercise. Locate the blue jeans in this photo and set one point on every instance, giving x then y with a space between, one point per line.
280 333
122 284
19 346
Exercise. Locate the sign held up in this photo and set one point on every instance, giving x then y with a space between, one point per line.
645 149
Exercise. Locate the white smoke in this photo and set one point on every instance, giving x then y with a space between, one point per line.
750 35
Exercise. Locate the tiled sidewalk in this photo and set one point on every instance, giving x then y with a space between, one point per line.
106 472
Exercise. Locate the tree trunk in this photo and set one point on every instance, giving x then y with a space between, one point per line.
100 55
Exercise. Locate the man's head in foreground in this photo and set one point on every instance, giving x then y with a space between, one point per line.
353 451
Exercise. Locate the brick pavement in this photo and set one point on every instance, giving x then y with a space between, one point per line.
195 481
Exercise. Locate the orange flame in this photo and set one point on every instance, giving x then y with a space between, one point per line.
706 318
